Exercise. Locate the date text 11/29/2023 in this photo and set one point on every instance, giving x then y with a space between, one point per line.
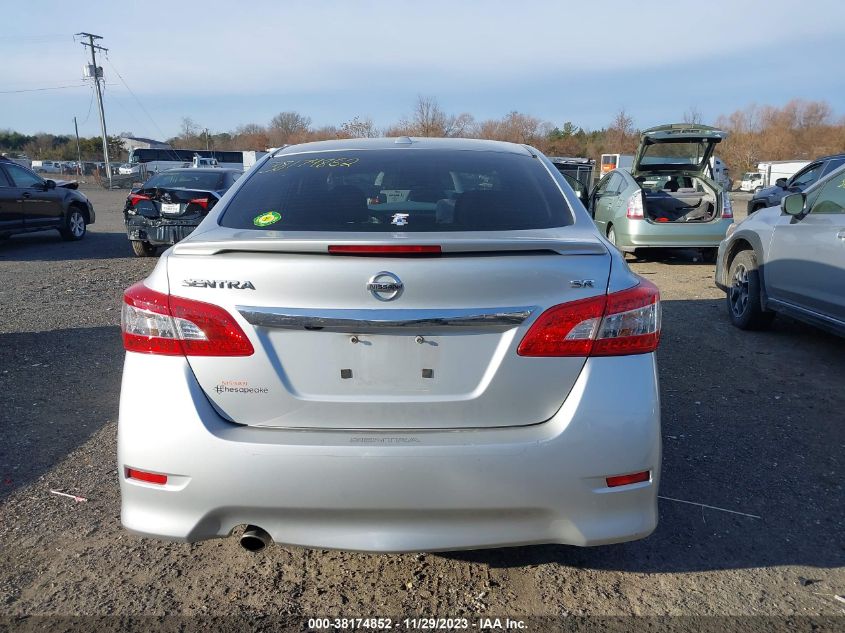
416 624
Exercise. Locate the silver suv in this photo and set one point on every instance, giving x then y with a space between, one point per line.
393 345
789 258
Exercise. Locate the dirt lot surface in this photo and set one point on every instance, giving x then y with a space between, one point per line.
752 422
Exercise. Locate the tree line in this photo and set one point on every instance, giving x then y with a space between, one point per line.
798 130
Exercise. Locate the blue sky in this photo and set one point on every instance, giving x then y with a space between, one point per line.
225 63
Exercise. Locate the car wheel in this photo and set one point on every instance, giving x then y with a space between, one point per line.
743 299
75 225
143 249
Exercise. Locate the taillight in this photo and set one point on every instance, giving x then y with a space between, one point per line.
384 249
617 324
157 323
727 206
635 206
135 198
202 202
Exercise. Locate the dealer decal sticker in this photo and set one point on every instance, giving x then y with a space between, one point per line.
266 219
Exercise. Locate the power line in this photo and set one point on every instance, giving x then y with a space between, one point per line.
90 103
141 105
7 92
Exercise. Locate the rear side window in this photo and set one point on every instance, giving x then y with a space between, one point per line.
398 190
22 177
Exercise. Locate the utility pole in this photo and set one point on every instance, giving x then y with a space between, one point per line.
78 153
206 139
90 44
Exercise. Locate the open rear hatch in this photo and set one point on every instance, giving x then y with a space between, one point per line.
392 342
679 148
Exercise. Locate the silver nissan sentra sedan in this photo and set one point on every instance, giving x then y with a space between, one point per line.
392 345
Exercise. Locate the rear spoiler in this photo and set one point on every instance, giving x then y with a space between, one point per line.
448 245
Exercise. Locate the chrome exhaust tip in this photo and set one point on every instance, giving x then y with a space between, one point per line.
254 539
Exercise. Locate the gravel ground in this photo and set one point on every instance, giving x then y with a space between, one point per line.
753 423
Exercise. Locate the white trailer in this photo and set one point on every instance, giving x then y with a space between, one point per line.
772 170
720 173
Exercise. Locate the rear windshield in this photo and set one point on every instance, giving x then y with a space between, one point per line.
187 180
667 153
398 190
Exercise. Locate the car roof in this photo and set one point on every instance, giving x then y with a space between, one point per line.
405 142
200 170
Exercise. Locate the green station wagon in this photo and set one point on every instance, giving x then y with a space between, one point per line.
668 198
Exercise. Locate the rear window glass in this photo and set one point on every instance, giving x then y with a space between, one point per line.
667 153
398 190
186 180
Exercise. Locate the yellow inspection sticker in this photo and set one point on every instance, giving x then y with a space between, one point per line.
266 219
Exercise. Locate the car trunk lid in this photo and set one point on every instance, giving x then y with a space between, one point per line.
174 202
387 342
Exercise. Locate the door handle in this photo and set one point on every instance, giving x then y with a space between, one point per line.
26 194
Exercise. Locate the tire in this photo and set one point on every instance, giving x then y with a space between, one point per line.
142 249
75 226
743 298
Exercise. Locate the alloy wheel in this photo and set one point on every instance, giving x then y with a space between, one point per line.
76 224
739 291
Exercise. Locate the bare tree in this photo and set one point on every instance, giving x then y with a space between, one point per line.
288 127
188 128
462 125
692 116
620 133
359 127
428 119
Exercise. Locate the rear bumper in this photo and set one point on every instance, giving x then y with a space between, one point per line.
393 490
632 234
160 231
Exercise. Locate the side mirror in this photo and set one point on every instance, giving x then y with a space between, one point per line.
793 204
49 184
781 182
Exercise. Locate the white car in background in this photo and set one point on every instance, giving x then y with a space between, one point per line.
47 166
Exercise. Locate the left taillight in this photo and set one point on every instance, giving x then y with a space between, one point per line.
727 206
135 198
156 323
635 206
617 324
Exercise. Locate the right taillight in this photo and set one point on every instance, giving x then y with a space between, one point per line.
635 206
617 324
156 323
